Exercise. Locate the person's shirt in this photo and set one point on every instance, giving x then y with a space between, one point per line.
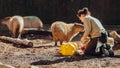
92 27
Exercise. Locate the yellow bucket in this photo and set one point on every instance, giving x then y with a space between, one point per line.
68 48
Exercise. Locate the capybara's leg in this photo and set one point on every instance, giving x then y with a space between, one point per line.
61 42
55 43
20 33
14 32
19 36
55 39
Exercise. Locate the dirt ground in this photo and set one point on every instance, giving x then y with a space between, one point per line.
45 55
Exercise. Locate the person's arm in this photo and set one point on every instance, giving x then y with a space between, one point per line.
88 28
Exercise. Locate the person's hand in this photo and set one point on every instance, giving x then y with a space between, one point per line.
85 40
82 40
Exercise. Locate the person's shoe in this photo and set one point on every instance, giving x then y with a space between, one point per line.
111 53
106 50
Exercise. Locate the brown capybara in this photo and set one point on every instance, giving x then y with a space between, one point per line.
65 32
15 25
110 41
115 36
32 22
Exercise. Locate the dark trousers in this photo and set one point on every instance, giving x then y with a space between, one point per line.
90 48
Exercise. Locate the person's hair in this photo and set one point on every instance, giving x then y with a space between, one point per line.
84 11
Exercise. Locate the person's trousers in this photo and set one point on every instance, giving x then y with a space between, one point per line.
91 47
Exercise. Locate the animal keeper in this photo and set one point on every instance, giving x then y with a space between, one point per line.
93 29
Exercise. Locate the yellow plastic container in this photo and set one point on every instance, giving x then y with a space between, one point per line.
68 49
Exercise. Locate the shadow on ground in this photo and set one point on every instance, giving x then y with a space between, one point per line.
62 59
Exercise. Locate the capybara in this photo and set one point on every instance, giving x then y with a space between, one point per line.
32 22
62 31
115 36
15 25
110 41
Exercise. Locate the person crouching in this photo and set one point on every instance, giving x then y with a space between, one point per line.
95 30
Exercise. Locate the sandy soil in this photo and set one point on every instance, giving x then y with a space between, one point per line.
45 55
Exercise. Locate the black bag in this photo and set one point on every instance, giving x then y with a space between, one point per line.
103 37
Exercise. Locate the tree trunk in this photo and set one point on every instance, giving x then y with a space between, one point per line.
17 41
